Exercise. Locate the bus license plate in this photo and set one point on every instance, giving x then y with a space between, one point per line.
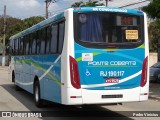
112 80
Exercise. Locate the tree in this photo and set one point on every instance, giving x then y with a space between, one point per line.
15 25
89 3
154 35
78 4
153 9
29 22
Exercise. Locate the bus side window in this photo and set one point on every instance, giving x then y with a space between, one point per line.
27 44
61 37
12 47
24 45
30 39
34 43
38 41
18 51
21 47
16 47
48 39
54 33
42 38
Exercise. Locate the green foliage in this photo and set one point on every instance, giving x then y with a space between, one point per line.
15 25
32 21
153 9
89 3
78 4
154 35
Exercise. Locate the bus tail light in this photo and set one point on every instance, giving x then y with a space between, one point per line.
74 73
144 72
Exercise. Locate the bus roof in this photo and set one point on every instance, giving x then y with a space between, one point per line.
108 9
39 25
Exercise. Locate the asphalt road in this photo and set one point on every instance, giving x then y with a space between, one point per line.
12 100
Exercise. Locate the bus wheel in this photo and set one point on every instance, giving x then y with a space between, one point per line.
37 98
13 77
17 88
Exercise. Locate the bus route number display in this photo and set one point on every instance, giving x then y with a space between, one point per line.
126 20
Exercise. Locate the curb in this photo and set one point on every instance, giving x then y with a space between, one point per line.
154 98
6 69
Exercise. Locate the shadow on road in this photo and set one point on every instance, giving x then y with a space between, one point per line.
62 111
154 90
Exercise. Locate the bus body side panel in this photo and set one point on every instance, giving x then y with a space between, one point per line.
67 89
145 89
23 69
48 73
28 80
35 60
52 79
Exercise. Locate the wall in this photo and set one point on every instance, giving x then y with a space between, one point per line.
152 58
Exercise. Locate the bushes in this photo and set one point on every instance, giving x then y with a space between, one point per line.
154 35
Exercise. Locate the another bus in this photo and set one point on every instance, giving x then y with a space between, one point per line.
85 55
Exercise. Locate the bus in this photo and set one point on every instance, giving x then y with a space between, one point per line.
85 55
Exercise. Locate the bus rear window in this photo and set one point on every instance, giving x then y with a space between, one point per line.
106 28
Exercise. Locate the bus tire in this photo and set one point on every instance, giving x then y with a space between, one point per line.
17 88
37 97
13 77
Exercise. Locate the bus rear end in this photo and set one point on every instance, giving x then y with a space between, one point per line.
109 60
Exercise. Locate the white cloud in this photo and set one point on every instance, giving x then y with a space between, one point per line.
28 3
22 8
61 5
27 8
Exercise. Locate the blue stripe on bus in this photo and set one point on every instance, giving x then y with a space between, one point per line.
108 9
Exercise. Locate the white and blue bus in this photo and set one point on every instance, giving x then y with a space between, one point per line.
86 55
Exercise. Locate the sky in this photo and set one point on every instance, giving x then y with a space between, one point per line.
26 8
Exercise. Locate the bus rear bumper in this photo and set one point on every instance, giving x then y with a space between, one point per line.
85 96
110 96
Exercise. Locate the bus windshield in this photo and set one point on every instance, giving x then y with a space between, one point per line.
108 28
